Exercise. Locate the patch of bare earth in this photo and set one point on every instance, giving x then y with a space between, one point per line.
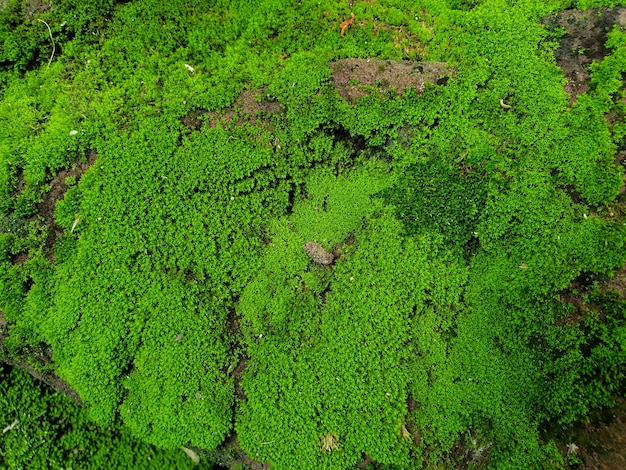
355 78
600 442
617 283
30 8
583 42
48 203
19 259
250 106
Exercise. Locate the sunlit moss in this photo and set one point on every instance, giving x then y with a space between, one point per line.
173 287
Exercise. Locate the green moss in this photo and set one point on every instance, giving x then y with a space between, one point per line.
43 429
456 215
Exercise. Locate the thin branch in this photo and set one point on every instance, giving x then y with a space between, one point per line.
10 427
54 47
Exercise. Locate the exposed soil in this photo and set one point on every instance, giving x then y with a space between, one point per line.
237 374
19 259
600 442
32 7
250 106
21 182
230 455
317 253
618 283
573 295
583 42
366 462
57 191
355 78
47 206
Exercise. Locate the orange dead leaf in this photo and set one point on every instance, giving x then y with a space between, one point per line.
346 23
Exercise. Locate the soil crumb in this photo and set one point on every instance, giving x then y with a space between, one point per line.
317 253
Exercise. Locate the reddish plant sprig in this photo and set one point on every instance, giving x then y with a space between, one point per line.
346 23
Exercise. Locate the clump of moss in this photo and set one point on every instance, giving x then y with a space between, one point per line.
44 429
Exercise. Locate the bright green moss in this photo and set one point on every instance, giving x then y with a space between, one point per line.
347 381
456 215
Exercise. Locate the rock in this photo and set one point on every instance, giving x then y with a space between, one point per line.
317 253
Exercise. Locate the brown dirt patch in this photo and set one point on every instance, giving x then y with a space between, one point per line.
317 253
617 283
237 350
57 191
240 393
19 259
600 443
31 8
355 78
583 42
230 455
21 182
366 462
193 119
250 106
573 295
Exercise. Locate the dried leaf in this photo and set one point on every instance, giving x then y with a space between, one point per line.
329 442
